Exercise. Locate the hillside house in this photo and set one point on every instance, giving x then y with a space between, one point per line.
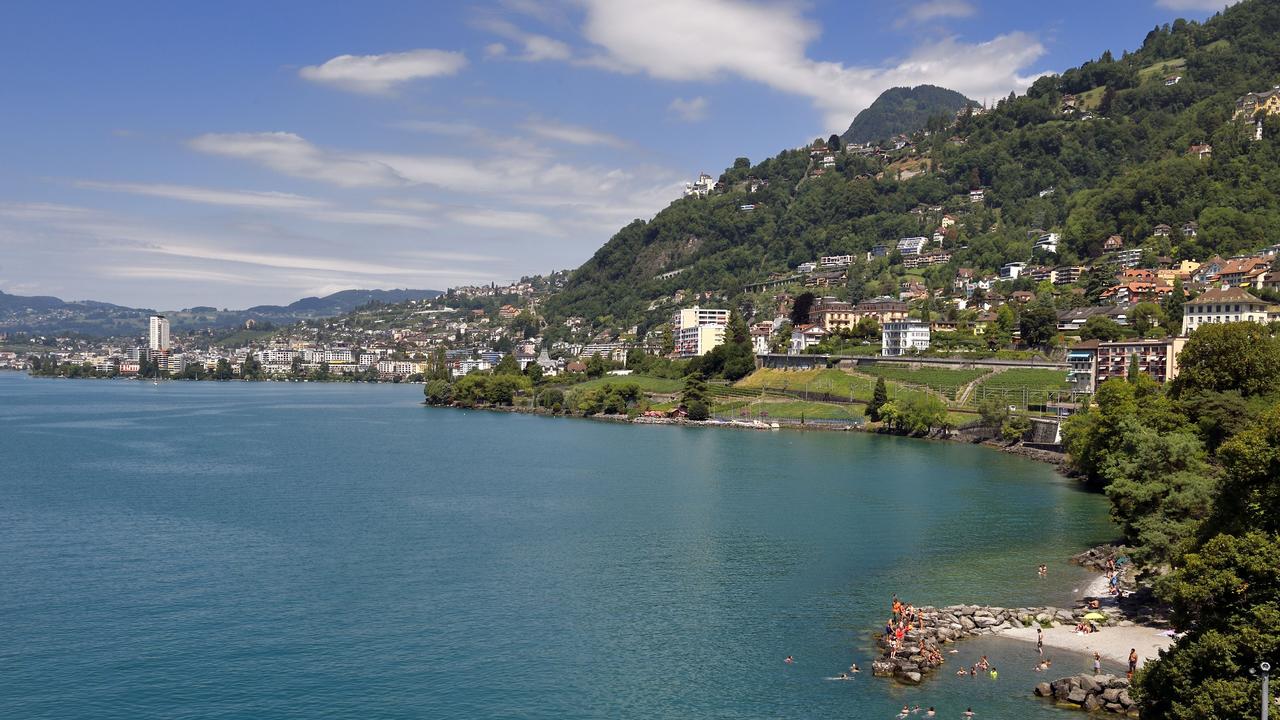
912 245
804 337
1161 230
1172 80
1266 102
1190 229
1222 305
1012 271
977 196
1113 243
1200 152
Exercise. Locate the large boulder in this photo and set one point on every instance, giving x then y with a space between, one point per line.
1111 695
1089 684
912 678
1092 703
1044 689
1077 696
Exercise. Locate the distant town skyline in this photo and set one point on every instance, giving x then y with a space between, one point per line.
246 153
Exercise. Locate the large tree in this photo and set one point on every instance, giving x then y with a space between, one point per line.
1229 356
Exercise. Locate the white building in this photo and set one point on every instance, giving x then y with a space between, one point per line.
901 337
159 335
697 330
1219 305
912 245
700 187
804 337
1047 242
1012 271
832 261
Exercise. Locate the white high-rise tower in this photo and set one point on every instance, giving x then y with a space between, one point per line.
159 333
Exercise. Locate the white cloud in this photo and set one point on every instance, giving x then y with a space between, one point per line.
379 73
1205 5
572 134
934 9
704 41
502 219
289 154
536 47
691 110
494 50
209 196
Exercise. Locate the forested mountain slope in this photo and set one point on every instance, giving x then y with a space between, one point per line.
904 110
1117 163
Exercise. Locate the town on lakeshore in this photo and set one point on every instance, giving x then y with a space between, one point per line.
1080 267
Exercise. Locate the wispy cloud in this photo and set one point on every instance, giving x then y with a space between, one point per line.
572 134
209 196
936 9
1202 5
535 47
691 110
289 154
380 73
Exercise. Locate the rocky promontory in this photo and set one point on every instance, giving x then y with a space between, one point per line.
1092 693
919 651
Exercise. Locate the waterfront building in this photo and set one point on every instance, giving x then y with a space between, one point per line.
159 333
904 337
1094 362
697 331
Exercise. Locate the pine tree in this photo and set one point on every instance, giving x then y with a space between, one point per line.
878 399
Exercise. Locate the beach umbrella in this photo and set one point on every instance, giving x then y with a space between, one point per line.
1095 616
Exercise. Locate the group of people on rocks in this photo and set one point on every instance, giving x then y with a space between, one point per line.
897 627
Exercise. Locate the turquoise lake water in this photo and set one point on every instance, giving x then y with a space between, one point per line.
267 550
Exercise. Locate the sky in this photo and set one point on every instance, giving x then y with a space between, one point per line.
233 153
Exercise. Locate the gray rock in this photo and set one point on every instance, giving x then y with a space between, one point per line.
1077 696
1089 685
1111 695
1124 698
1044 690
912 677
1115 707
966 622
1092 703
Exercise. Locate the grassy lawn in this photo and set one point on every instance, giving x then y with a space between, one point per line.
1161 69
648 384
791 410
947 381
1019 384
830 381
1090 99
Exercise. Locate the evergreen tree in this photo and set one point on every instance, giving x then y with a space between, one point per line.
879 397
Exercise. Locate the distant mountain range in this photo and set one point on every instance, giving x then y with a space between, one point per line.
902 111
50 315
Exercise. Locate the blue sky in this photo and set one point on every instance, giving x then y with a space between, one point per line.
165 155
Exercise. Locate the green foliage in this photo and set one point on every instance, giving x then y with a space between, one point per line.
1099 327
697 410
1229 356
438 392
1251 490
904 110
1039 322
1225 594
879 397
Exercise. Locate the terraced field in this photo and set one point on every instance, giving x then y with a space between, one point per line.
1022 386
945 381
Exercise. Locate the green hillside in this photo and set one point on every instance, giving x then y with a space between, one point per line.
904 110
1120 168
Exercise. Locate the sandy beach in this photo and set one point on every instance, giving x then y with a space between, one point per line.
1112 643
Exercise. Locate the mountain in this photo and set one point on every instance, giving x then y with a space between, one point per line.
1102 149
902 111
344 301
51 315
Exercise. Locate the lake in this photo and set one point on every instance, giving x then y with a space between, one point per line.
272 550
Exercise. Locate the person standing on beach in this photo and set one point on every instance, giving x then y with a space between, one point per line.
1133 662
1040 641
1097 663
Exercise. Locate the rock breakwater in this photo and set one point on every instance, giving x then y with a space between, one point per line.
911 647
1091 693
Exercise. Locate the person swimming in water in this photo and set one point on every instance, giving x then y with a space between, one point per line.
968 712
789 660
931 712
853 668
